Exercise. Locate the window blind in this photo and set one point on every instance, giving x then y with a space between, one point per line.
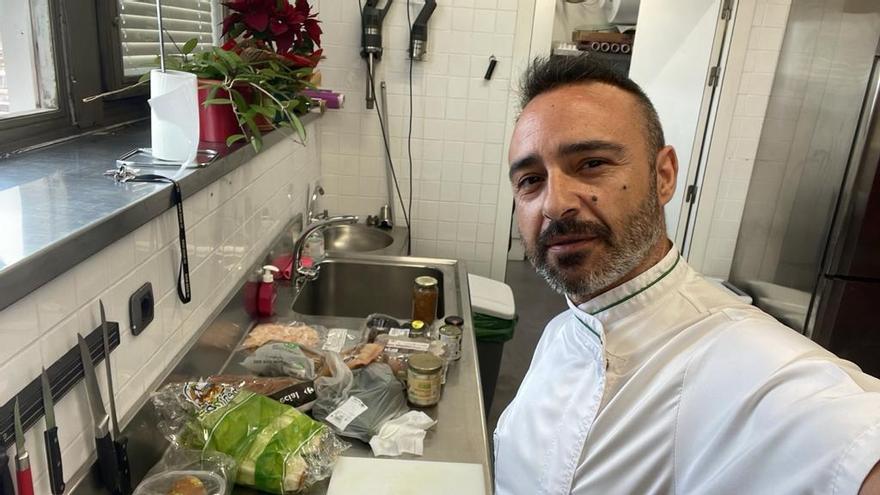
182 21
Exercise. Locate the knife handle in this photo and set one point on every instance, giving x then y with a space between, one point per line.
121 446
6 487
25 481
107 463
53 458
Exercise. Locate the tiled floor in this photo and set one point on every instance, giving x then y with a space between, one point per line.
536 304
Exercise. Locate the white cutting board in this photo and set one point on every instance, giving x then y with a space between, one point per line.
371 476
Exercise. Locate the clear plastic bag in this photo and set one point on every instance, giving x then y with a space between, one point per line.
282 359
397 350
277 448
314 337
288 390
357 403
378 324
179 470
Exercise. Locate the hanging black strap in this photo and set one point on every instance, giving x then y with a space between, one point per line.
184 291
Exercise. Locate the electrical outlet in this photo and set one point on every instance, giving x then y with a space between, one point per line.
141 308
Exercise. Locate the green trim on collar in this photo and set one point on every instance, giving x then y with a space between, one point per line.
589 328
643 289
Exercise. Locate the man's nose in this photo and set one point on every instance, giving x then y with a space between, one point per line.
561 197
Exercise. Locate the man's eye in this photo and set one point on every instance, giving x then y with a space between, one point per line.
593 163
528 182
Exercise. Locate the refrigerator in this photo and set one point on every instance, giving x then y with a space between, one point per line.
843 314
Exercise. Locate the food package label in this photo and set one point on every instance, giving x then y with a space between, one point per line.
343 415
335 340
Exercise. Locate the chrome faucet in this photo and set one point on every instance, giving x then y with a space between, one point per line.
311 216
302 273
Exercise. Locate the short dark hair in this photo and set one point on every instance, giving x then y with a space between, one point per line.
548 73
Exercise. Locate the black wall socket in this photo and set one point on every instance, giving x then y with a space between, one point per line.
141 308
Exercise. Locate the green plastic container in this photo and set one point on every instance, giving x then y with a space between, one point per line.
491 334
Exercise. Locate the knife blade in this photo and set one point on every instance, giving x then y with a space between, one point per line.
50 438
22 459
120 443
104 447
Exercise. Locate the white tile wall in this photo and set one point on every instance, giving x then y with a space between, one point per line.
753 96
229 224
458 123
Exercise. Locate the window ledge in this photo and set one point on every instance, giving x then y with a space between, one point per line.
57 208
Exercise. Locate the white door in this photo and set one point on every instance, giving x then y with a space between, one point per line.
676 45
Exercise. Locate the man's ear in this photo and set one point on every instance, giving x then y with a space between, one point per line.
666 165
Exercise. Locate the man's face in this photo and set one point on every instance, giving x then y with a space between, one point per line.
588 190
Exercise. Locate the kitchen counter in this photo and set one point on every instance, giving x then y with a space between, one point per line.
459 436
58 207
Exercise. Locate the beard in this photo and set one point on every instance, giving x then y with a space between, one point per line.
623 250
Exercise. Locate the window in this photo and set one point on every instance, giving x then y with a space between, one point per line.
182 20
28 83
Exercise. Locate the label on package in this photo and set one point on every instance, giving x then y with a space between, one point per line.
398 332
408 344
343 415
335 339
297 395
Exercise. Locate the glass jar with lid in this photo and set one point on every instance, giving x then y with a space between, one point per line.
423 379
426 293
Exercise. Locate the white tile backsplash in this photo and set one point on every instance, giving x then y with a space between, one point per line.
459 117
229 224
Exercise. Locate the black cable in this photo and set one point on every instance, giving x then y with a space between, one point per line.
385 141
409 134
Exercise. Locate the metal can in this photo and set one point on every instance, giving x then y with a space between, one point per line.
423 379
450 335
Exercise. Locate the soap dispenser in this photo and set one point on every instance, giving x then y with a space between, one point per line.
266 292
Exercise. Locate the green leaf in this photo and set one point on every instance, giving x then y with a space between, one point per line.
268 112
233 138
299 127
218 101
189 46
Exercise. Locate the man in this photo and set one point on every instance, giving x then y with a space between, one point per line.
655 381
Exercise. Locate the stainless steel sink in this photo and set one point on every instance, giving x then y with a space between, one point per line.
354 288
355 238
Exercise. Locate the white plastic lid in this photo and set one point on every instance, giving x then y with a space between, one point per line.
491 297
268 276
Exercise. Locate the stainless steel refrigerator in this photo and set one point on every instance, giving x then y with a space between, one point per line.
844 310
808 249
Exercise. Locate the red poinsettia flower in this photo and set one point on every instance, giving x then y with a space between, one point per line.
288 27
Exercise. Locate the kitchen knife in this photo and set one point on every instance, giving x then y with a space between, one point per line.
120 443
104 447
22 459
50 437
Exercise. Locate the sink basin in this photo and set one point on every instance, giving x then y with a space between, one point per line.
358 289
355 238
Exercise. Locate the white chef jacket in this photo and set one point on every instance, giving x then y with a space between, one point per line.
667 384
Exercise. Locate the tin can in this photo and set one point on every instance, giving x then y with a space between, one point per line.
423 379
450 335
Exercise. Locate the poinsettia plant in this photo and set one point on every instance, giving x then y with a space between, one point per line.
290 30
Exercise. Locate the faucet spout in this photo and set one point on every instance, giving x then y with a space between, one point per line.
312 273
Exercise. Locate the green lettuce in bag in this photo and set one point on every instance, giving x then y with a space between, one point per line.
278 449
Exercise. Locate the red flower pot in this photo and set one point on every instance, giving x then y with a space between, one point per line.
216 122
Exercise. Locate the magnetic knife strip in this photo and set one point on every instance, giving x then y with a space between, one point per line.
63 374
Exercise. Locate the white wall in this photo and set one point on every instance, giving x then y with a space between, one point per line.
754 54
229 225
459 125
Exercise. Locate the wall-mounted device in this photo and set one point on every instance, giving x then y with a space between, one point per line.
371 40
418 36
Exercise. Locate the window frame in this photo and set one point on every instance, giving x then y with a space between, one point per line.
76 28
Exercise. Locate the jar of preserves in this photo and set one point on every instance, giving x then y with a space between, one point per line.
423 379
426 293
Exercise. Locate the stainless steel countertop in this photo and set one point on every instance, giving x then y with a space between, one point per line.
59 208
459 436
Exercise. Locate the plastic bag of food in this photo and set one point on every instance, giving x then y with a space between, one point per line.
189 472
314 337
397 350
295 332
277 448
378 324
356 403
363 355
294 392
283 359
